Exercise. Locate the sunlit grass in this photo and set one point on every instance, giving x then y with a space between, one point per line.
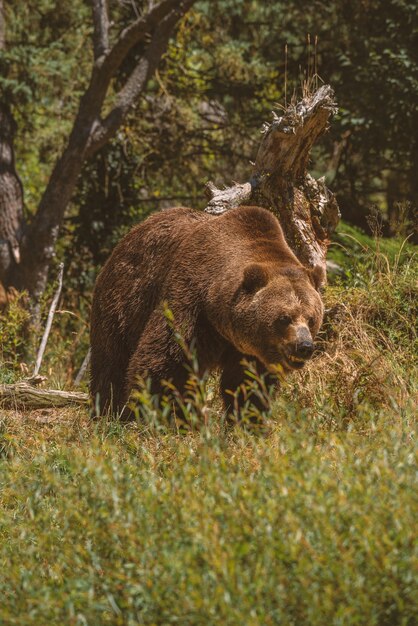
103 524
309 521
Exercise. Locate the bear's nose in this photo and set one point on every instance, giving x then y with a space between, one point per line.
304 349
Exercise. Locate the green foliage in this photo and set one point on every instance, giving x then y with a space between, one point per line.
13 332
222 75
117 526
44 69
351 246
309 522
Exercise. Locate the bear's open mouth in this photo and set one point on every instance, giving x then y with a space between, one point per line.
293 362
286 360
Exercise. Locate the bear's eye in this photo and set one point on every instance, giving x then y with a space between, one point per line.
283 321
311 322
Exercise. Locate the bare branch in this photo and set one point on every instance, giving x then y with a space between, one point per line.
229 198
136 31
101 28
83 368
49 322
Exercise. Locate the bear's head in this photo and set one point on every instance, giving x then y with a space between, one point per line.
276 314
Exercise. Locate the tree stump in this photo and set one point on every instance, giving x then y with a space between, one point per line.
280 182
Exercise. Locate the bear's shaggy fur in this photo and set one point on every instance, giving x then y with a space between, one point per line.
235 289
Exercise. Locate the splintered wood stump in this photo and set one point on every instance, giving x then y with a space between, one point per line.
280 182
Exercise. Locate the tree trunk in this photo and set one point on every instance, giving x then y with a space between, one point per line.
11 193
90 130
39 243
306 209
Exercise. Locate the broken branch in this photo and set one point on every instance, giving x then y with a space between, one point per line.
220 200
48 324
83 368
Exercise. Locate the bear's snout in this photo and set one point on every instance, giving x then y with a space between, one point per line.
300 348
304 349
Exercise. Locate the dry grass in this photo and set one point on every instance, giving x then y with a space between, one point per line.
311 522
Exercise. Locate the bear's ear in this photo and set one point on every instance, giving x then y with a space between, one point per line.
255 278
318 277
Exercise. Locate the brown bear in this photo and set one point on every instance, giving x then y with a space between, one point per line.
235 290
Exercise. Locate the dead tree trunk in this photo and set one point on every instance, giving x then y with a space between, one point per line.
27 395
306 209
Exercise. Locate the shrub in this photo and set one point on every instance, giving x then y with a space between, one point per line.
14 327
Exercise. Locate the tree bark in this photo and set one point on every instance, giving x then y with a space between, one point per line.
90 131
24 394
11 193
11 200
306 209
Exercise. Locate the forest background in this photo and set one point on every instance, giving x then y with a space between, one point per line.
314 522
200 116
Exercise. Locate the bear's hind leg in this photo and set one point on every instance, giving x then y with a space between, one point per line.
108 373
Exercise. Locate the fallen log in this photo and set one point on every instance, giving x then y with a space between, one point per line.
28 395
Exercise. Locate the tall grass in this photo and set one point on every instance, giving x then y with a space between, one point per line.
112 525
311 522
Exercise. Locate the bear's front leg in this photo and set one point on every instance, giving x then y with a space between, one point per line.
246 387
159 357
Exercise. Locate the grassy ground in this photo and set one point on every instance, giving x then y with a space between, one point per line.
103 525
312 522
